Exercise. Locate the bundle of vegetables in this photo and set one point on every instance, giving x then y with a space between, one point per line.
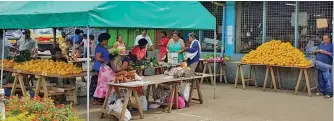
114 51
152 62
23 56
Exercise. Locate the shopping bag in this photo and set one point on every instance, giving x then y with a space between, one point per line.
173 58
117 107
180 100
184 90
143 102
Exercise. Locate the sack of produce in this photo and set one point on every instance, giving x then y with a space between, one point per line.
117 107
143 102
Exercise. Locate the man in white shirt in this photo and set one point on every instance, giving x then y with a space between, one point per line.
7 45
28 43
144 35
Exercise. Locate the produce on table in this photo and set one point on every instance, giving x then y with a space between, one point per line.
8 63
277 53
227 58
125 76
23 56
114 51
210 58
38 109
152 62
48 67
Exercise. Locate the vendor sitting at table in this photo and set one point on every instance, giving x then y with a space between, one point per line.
57 55
193 51
138 53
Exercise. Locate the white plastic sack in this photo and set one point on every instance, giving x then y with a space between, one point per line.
143 102
173 58
185 90
117 107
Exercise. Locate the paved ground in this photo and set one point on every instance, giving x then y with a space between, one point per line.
235 104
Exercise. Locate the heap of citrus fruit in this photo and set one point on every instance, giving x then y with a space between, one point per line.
277 53
8 63
48 67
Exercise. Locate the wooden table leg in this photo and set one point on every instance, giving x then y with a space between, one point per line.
154 92
74 92
224 72
204 69
191 92
307 82
45 88
138 104
273 78
221 72
38 85
298 80
242 79
16 78
249 74
265 79
23 87
236 76
198 86
176 96
148 92
210 71
171 99
126 101
105 103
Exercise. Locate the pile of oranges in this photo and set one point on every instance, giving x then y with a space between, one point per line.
8 63
48 67
277 53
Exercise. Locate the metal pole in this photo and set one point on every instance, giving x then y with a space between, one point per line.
88 71
223 34
54 37
333 43
264 22
2 55
296 24
214 65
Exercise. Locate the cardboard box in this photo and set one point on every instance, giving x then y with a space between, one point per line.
322 23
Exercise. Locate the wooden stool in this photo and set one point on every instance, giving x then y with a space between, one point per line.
252 72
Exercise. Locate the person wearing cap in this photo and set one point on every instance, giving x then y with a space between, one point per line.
193 51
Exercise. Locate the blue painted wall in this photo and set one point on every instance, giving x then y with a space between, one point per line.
229 35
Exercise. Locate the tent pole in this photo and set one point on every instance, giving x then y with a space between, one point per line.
333 42
2 55
214 64
54 37
88 71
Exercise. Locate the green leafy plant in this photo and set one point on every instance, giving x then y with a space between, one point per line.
23 56
38 109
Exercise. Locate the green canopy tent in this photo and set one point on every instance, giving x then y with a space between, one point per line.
186 15
156 15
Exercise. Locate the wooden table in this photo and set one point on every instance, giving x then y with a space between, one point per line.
271 69
251 74
207 67
147 81
41 81
302 71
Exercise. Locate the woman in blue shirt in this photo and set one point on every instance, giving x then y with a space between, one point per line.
193 51
324 56
101 56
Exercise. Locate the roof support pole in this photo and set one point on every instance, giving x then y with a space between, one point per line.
54 37
264 22
214 64
296 24
88 72
2 55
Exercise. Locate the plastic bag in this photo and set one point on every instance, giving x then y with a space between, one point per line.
185 90
143 102
117 107
180 100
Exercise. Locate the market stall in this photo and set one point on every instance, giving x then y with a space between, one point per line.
155 15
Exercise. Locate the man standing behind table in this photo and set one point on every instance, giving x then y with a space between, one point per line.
28 43
324 60
144 35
